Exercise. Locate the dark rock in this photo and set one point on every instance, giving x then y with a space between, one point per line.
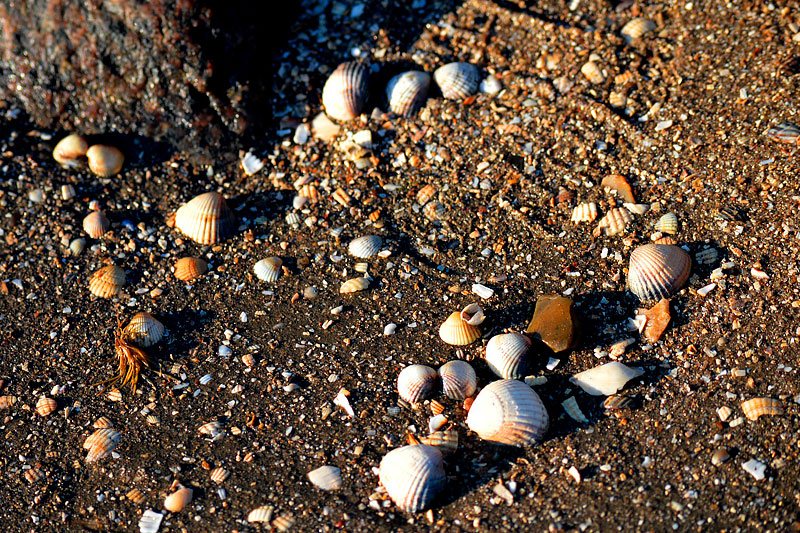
554 322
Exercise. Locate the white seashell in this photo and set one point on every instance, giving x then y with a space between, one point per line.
605 379
346 91
67 192
268 269
77 246
354 285
212 429
615 221
326 477
473 314
490 85
104 161
407 92
617 99
143 330
637 27
592 71
206 218
251 164
416 383
667 224
458 380
755 468
413 476
365 247
150 521
95 224
570 405
178 500
36 196
508 412
585 212
69 149
107 282
657 271
33 475
260 514
637 209
506 355
206 379
446 441
457 80
190 268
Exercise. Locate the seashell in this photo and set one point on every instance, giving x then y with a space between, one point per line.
416 383
406 92
706 256
508 412
506 355
584 212
45 406
457 332
212 429
436 407
67 192
101 443
268 269
446 441
7 401
618 184
354 285
458 380
346 91
135 495
178 500
103 422
664 240
785 132
248 360
283 522
33 475
153 420
143 330
425 194
719 456
616 402
637 209
115 395
190 268
326 477
205 219
206 379
615 221
104 161
605 379
413 476
667 224
260 514
624 78
76 246
656 271
592 71
761 406
563 84
365 247
107 282
95 224
617 99
219 475
69 149
457 80
637 27
434 211
572 408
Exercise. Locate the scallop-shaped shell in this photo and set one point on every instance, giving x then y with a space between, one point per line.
33 475
354 285
135 495
283 522
365 247
785 132
664 240
212 429
152 420
457 332
425 194
507 355
7 401
76 246
190 268
406 92
326 477
605 379
45 406
178 500
219 475
268 269
457 80
656 271
446 441
260 514
434 211
346 91
458 379
69 149
637 27
205 219
615 221
584 212
416 383
667 224
101 443
762 406
103 422
104 161
143 330
508 412
95 224
413 476
114 394
593 73
107 282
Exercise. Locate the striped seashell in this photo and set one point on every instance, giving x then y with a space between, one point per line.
7 401
283 522
617 402
615 221
76 246
446 441
416 383
219 475
212 429
457 331
326 477
69 149
103 422
190 268
365 247
667 224
507 355
33 475
434 211
425 194
757 407
617 99
95 224
178 500
592 71
354 285
152 420
67 192
664 240
407 92
637 27
104 161
606 379
584 212
508 412
115 395
248 360
785 132
346 91
268 269
458 380
657 271
413 476
624 78
136 496
572 409
260 514
46 406
637 209
101 443
143 330
436 407
107 282
457 80
205 218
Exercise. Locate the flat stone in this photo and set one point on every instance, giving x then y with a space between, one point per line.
658 318
554 322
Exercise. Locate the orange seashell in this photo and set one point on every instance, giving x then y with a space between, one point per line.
104 161
107 282
219 475
69 149
190 268
206 219
178 500
135 495
425 194
354 285
346 91
33 475
7 401
637 27
103 422
657 271
592 72
446 441
620 185
761 406
95 224
457 332
101 443
45 406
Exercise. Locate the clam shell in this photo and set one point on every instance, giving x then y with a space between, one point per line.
446 441
657 271
135 495
457 332
637 27
76 246
95 224
101 443
406 92
107 282
143 330
413 476
69 149
592 71
178 500
667 224
506 355
45 406
104 161
354 285
212 429
103 422
508 412
762 406
326 477
615 221
219 475
365 247
260 514
457 80
346 91
190 268
205 219
584 212
458 380
268 269
785 132
33 475
416 383
605 379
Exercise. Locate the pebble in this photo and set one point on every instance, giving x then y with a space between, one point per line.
224 351
755 468
719 456
658 318
554 322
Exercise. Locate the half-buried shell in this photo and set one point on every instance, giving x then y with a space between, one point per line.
178 500
615 221
143 330
413 476
508 412
95 224
606 379
637 27
458 379
457 80
205 219
446 441
268 269
69 149
104 161
657 271
759 407
407 92
668 223
190 268
354 285
416 383
326 477
346 91
107 282
365 247
507 355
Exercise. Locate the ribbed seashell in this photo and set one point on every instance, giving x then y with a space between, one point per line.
458 332
436 407
143 330
283 522
346 91
617 99
785 132
33 475
7 401
434 211
457 80
584 212
190 268
664 240
509 412
103 422
248 360
107 282
668 223
637 27
657 271
114 394
365 247
507 355
104 161
153 420
205 219
413 476
637 209
624 78
76 246
178 500
615 402
268 269
45 406
458 379
605 379
425 194
761 406
67 192
101 443
135 495
69 149
219 475
416 383
354 285
406 92
212 429
615 221
326 477
95 224
593 73
446 441
260 514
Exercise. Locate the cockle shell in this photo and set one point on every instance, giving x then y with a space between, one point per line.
668 223
95 224
785 132
615 221
45 406
413 476
406 92
76 246
219 475
592 71
143 330
365 247
101 443
206 219
103 422
354 285
104 161
326 477
508 412
190 268
114 394
762 406
135 495
446 441
107 282
213 429
260 514
605 379
69 149
346 91
584 212
458 379
637 27
268 269
657 271
507 355
462 328
178 500
416 383
283 522
33 475
457 80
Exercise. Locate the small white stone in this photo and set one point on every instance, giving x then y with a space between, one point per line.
755 468
243 317
482 291
390 329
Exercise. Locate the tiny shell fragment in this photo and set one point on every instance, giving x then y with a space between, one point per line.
658 318
757 407
326 477
585 212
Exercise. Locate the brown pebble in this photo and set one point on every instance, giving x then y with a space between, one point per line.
658 318
554 322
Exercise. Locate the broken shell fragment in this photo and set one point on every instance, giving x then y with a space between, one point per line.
592 71
446 441
416 383
45 406
658 270
507 355
425 194
107 282
219 475
667 224
103 422
457 80
618 184
7 401
413 476
635 28
101 443
268 269
584 212
407 92
326 477
135 495
354 285
473 314
572 408
458 379
617 402
508 412
260 514
785 132
346 91
178 500
605 379
365 247
104 161
206 219
95 224
190 268
615 221
69 149
144 330
757 407
719 456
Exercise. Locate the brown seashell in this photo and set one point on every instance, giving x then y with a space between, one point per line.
205 219
101 443
114 395
190 268
436 407
785 132
584 212
143 330
657 271
248 360
407 92
665 240
617 99
761 406
614 222
107 282
95 224
136 496
346 91
45 406
33 475
104 161
178 500
69 149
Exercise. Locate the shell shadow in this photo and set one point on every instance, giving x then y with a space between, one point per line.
488 462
